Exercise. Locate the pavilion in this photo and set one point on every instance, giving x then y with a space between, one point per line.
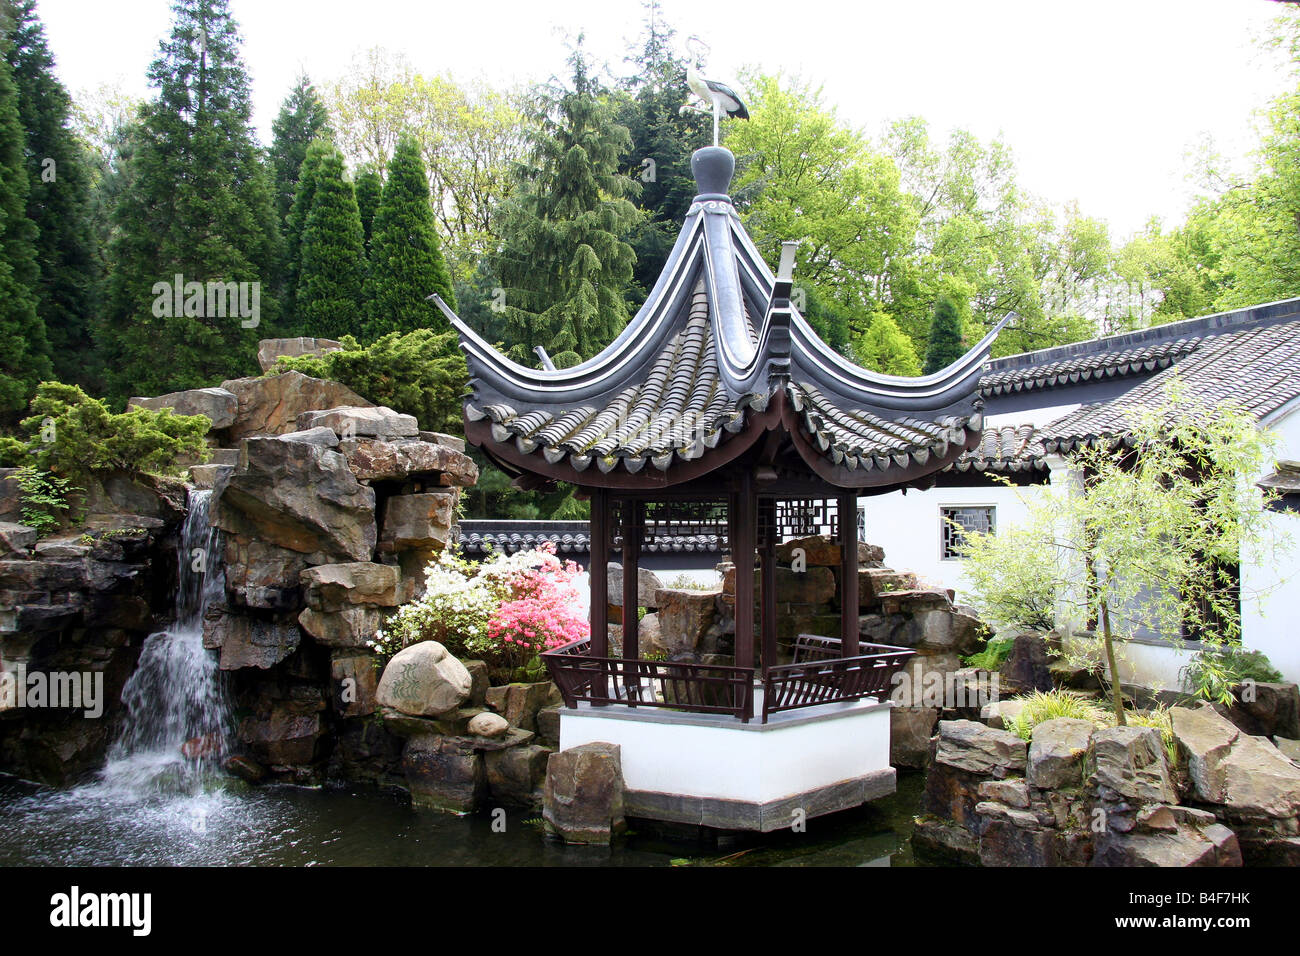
719 408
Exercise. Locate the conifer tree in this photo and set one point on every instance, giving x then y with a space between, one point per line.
333 254
369 188
406 263
945 343
302 119
884 347
198 206
294 227
565 262
57 198
24 350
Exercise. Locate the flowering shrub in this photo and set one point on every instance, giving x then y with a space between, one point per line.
504 611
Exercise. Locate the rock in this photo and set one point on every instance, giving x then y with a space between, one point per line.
1057 753
910 729
268 350
354 681
1246 775
218 405
488 725
324 437
875 583
1266 710
262 575
517 775
1130 761
1026 667
479 683
353 626
548 725
444 773
271 404
11 507
583 796
16 538
332 587
300 496
821 551
372 459
418 521
685 616
245 768
998 713
361 421
1215 845
519 703
423 680
971 747
647 586
283 737
1013 793
248 641
69 546
205 476
118 500
1290 748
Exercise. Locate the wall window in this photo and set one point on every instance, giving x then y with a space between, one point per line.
955 522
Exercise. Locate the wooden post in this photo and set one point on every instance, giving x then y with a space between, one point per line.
847 506
632 512
598 570
767 598
743 554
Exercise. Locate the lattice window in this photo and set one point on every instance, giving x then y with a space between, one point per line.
783 519
668 520
955 523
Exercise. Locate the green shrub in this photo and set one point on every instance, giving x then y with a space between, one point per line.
1216 670
44 499
1161 720
1041 706
420 373
997 650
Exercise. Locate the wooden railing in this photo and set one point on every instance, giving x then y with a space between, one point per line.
678 685
820 676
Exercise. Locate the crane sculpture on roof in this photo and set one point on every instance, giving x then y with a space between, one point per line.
721 98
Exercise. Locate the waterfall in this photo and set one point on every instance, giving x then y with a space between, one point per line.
177 715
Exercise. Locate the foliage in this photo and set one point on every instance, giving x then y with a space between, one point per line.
302 119
944 344
72 435
369 189
44 499
406 263
1146 541
1041 706
1159 718
327 295
996 650
884 348
198 204
504 611
1214 672
564 260
420 373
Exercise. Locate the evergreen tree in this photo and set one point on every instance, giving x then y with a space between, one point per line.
57 198
885 348
24 349
333 254
294 227
198 206
302 119
369 188
565 262
406 264
945 343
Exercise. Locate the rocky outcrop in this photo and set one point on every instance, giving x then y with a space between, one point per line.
218 405
271 404
367 421
583 798
270 350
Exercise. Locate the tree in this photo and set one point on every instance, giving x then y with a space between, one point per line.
57 196
944 344
369 188
198 206
406 264
884 348
302 119
296 225
1142 540
564 260
24 349
328 295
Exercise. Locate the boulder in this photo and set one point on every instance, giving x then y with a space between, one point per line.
354 681
333 587
271 404
974 748
1185 845
519 703
284 736
517 775
1289 748
11 506
583 796
1266 710
1131 764
423 680
874 583
997 713
685 616
479 683
361 421
420 521
488 725
300 496
548 725
16 538
1057 753
373 459
118 500
444 773
1026 667
268 350
351 626
247 641
910 729
218 405
647 586
1012 793
1246 775
822 551
262 575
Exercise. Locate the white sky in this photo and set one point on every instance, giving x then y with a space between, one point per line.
1099 101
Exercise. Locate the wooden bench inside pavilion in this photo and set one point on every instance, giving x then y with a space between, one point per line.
719 407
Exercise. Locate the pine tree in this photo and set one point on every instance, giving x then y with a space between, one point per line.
294 227
57 198
24 349
369 188
331 272
199 207
565 262
945 343
302 119
885 348
406 263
